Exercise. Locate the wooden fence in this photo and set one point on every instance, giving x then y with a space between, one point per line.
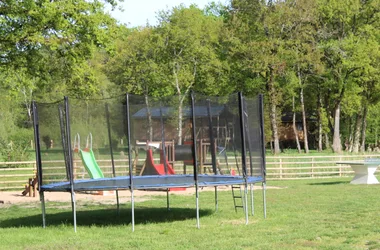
15 175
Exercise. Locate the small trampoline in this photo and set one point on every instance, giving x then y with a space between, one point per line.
147 143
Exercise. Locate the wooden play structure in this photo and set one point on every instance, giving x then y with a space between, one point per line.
31 187
175 153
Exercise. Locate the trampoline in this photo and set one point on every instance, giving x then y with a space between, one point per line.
148 143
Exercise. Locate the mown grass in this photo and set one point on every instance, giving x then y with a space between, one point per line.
323 214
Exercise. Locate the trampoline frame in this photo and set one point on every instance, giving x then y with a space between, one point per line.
151 181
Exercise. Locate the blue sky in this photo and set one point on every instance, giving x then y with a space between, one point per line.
137 12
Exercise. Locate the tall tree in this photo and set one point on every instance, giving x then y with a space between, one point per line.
33 32
188 49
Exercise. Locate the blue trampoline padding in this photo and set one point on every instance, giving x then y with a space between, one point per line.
149 182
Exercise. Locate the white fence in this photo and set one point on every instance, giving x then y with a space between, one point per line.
15 175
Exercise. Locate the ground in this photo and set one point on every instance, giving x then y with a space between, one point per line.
15 197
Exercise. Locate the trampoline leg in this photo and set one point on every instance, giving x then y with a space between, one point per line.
117 201
252 200
42 199
133 210
264 200
246 203
167 199
197 204
73 205
216 198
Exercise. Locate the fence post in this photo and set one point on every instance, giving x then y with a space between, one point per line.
312 167
280 168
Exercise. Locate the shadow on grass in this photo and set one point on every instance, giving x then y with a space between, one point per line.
107 217
330 183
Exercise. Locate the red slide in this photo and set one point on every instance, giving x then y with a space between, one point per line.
152 168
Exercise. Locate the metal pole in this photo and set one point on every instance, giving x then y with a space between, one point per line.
163 141
264 200
38 161
246 203
111 151
216 198
263 162
197 203
164 155
195 160
42 199
252 200
243 153
133 209
70 158
167 199
212 140
130 162
242 134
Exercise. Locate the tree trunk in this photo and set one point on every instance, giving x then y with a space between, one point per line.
295 129
272 112
320 125
364 128
306 143
180 114
149 114
327 141
337 146
357 130
376 136
349 143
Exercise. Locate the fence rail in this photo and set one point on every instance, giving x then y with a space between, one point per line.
15 175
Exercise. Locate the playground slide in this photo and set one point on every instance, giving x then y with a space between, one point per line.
90 164
158 168
152 168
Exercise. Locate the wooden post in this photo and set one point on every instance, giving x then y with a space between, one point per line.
280 168
35 183
312 167
30 187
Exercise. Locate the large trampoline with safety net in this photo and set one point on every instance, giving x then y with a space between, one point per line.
147 143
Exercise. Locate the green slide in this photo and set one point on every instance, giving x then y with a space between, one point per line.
90 164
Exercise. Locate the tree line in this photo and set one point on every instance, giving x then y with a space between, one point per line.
319 59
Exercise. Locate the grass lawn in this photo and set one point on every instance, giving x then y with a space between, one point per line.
323 214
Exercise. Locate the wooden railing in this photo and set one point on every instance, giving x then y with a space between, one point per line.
15 175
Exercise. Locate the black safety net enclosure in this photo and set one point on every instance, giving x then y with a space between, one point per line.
133 142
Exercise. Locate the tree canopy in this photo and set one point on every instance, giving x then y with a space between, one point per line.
318 60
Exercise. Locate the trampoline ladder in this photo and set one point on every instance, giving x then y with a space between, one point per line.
237 194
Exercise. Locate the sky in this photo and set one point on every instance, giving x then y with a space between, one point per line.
137 12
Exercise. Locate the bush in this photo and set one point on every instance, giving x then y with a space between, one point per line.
17 147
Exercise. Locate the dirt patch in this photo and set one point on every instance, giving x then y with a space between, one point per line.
14 197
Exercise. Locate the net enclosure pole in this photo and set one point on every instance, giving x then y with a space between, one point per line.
247 131
38 161
128 122
195 160
164 154
243 153
111 152
70 161
263 161
212 149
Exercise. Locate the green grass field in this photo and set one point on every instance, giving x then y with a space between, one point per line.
322 214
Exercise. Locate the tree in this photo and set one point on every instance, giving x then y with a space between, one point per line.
189 55
63 32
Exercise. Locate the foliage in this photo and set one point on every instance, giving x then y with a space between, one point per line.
325 54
